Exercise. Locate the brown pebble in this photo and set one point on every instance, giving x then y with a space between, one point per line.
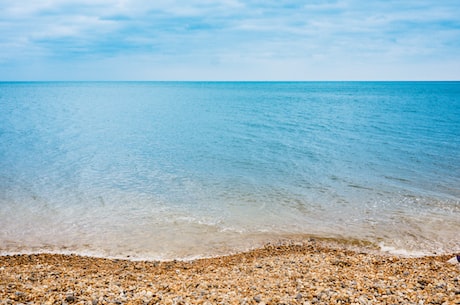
313 272
70 298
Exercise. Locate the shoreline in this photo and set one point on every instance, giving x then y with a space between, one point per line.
312 272
281 240
353 244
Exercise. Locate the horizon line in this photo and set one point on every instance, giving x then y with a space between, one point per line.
223 81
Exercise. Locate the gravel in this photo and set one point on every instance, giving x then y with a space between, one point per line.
308 273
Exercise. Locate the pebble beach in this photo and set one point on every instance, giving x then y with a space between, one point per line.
310 272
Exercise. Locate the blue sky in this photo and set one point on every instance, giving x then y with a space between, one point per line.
229 40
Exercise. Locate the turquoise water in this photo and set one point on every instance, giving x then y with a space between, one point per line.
184 169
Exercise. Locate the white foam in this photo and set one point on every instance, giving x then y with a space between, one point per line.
454 260
402 252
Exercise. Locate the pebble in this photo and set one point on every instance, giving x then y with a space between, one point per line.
70 298
308 273
298 297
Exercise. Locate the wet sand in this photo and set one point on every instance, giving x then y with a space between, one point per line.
312 272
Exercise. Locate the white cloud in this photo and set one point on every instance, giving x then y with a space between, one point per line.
244 36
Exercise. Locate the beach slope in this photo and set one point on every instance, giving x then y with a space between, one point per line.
307 273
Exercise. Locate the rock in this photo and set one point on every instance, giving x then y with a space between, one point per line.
257 298
70 298
19 294
363 300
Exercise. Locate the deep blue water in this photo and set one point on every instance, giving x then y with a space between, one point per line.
180 169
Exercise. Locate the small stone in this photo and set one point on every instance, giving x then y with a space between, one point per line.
298 297
363 300
257 298
70 298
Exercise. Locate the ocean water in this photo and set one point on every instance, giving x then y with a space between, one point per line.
166 170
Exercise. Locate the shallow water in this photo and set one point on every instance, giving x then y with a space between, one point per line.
184 169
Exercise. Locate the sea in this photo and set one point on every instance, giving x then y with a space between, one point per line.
182 170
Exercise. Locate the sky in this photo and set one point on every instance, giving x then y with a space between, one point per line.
229 40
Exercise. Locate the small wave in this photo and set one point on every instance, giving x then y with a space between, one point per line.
403 252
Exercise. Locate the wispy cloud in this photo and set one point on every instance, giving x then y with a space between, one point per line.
229 39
